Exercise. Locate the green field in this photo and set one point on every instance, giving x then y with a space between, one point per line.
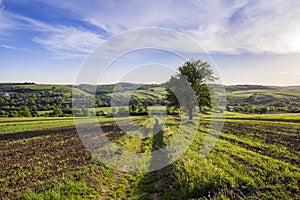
275 93
255 157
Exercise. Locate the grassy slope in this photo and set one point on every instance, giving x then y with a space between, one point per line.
60 88
278 92
238 91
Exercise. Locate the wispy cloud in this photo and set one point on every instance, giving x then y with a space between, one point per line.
6 23
234 27
8 46
64 41
230 27
69 41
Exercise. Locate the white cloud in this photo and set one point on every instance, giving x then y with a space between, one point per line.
6 22
256 27
63 41
69 39
8 46
222 26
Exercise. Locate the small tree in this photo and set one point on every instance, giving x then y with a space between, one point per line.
25 112
57 112
133 108
13 113
140 108
196 73
264 110
2 113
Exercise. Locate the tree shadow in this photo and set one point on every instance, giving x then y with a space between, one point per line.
152 184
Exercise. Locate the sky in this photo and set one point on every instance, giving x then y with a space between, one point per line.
247 41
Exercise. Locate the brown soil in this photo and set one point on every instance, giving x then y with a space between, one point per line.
33 156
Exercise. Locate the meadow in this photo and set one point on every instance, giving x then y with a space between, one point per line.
255 157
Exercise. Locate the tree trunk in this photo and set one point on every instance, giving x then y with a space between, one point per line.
190 114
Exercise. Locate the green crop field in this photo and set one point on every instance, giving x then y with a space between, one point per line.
255 157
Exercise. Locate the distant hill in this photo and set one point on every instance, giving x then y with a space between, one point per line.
31 87
239 97
151 91
263 94
276 98
233 88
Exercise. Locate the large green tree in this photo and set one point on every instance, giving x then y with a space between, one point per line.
193 74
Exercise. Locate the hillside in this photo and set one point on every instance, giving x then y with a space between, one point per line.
126 89
42 99
275 97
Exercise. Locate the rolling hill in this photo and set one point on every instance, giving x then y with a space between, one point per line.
242 97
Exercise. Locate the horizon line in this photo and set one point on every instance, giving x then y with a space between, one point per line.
47 83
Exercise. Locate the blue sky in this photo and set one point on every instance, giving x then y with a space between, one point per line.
249 41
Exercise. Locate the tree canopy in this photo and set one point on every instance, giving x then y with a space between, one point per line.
194 74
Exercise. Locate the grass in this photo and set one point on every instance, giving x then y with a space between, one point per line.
282 93
60 88
5 119
27 125
286 116
157 93
234 171
14 125
252 159
73 185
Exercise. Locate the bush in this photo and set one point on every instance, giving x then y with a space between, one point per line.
25 112
139 113
13 114
2 113
57 112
